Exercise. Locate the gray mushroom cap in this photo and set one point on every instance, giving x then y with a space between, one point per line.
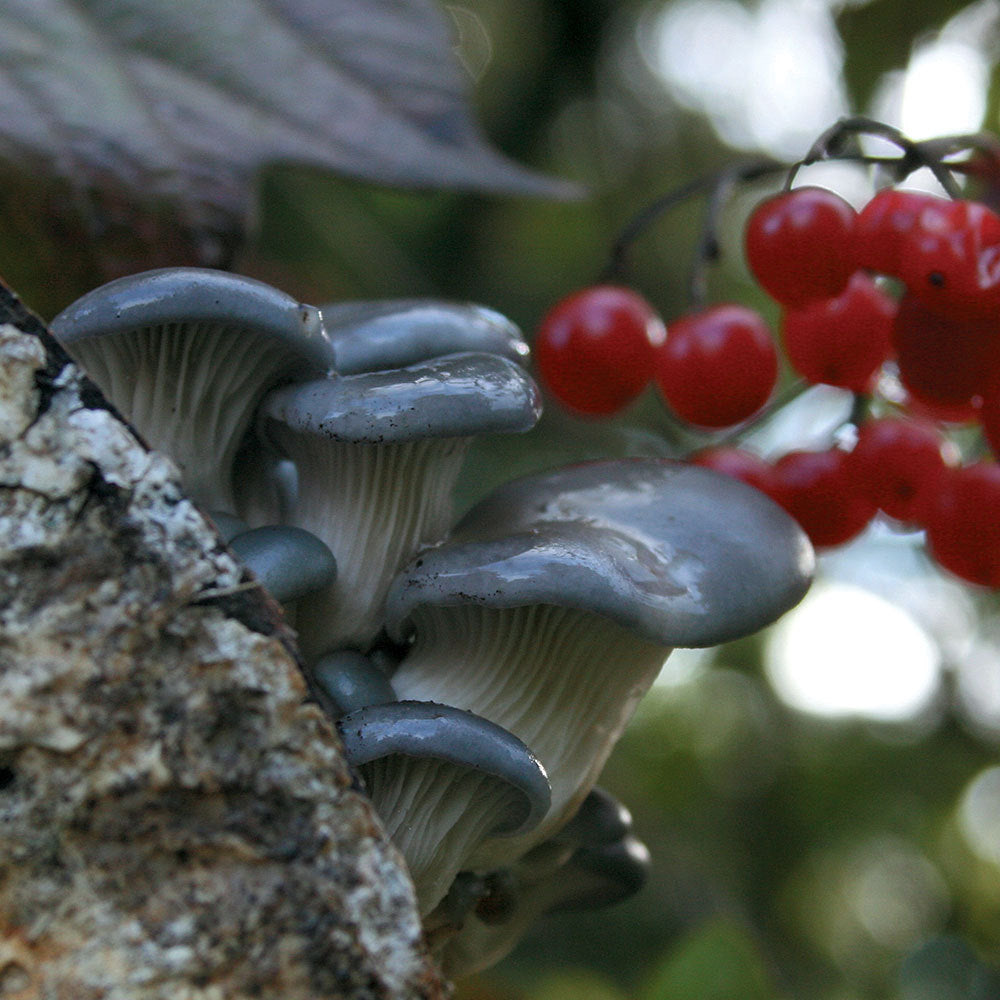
602 875
371 336
455 396
601 819
186 354
193 295
678 554
430 731
289 562
347 680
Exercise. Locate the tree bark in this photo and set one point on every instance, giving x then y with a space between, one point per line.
176 817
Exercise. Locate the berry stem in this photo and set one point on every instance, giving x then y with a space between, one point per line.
831 145
861 407
725 179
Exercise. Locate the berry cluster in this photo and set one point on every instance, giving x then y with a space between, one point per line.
907 287
598 349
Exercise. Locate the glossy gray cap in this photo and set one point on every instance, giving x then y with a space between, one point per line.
430 731
600 876
289 562
456 396
348 680
196 295
681 555
371 336
601 819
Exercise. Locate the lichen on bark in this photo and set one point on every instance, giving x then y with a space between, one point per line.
176 817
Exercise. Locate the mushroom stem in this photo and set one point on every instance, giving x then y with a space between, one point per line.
374 505
564 681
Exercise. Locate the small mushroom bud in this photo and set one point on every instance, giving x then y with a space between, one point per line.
347 680
544 882
289 562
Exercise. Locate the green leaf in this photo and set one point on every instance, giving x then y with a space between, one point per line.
717 961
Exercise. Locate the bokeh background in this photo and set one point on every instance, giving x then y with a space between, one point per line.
822 801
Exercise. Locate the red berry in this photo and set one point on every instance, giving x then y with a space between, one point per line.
799 244
737 463
989 416
844 340
963 523
945 413
595 348
951 259
717 367
816 488
897 464
884 226
943 361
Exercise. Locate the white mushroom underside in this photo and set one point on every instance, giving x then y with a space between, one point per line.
375 506
436 813
563 681
190 390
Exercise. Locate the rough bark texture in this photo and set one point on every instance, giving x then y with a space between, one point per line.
176 819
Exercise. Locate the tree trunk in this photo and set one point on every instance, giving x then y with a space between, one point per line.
176 818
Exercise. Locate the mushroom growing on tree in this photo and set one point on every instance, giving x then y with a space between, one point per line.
590 878
186 354
377 456
442 780
594 861
554 603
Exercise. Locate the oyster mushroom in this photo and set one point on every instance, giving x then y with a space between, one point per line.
377 456
553 605
601 819
373 336
442 780
591 878
594 861
186 354
346 680
289 562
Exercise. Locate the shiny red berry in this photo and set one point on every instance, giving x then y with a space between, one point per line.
943 361
897 463
800 245
884 227
738 463
963 526
816 488
841 341
951 259
595 349
989 416
717 367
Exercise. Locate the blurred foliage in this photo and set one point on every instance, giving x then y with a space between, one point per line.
793 856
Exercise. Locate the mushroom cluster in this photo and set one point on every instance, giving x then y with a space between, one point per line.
480 673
